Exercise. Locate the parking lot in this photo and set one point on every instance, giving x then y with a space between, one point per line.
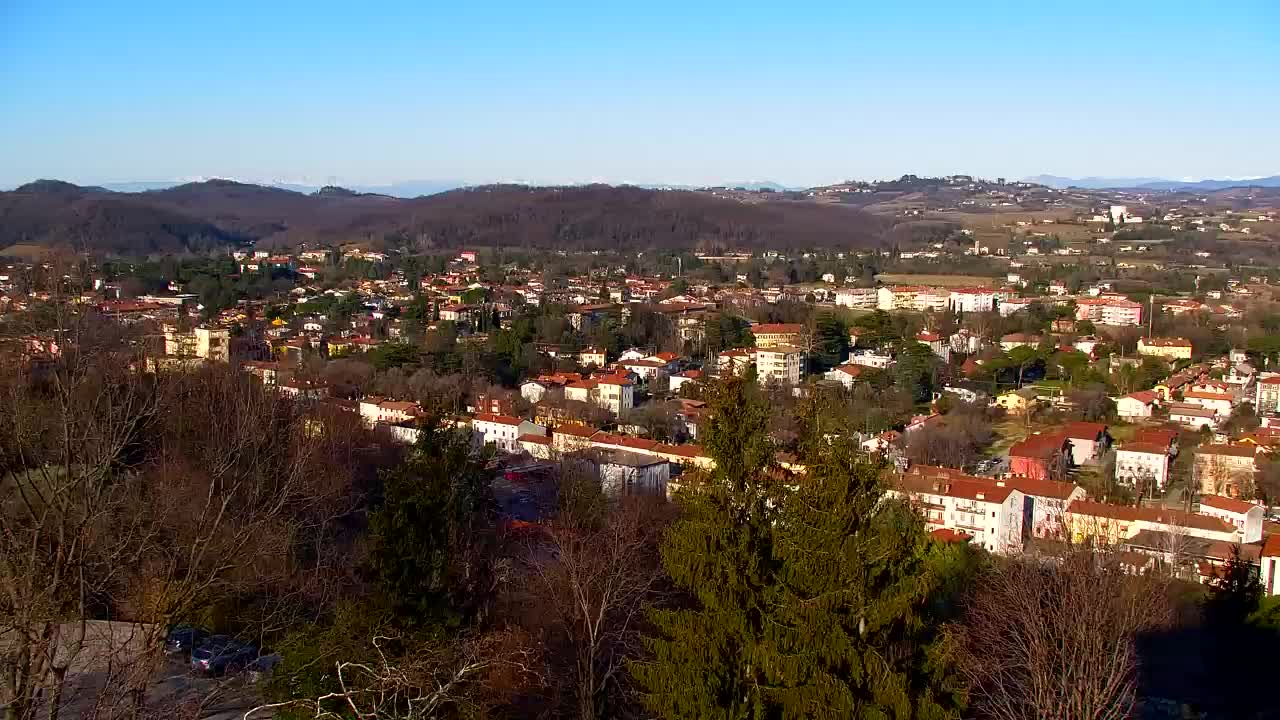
112 651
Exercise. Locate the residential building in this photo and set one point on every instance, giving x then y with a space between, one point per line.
617 394
1087 440
502 431
928 298
1192 416
201 342
846 374
1136 406
780 364
1267 395
1142 465
1172 348
972 300
871 359
375 410
1045 501
1017 402
629 473
538 446
1096 523
1270 561
770 335
1013 305
937 344
1246 516
591 356
989 514
569 437
680 378
1227 470
735 361
857 297
1013 340
1041 457
1109 311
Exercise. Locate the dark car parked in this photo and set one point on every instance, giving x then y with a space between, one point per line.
220 654
183 639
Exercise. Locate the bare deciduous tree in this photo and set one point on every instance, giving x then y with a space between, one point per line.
1057 640
596 568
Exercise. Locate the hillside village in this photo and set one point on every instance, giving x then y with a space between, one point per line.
1017 411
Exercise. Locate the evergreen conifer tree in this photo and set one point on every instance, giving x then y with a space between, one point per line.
851 633
709 659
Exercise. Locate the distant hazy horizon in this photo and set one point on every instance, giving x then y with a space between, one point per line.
670 93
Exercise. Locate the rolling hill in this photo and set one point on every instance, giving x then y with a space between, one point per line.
197 216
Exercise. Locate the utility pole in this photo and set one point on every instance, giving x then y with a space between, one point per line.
1151 313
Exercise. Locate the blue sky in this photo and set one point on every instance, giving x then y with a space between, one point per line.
689 92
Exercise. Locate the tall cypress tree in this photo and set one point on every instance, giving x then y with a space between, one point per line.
853 637
709 659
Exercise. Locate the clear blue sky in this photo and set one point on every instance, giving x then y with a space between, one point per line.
687 92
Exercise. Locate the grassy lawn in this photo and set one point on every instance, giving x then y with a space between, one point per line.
1008 431
939 280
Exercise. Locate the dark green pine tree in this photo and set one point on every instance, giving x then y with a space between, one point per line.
709 659
851 633
830 340
431 535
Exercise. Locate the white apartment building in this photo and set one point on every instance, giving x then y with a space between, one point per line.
991 515
857 297
936 299
202 342
374 410
1142 464
615 394
871 359
779 364
1246 516
973 300
1013 305
1109 311
500 430
1267 395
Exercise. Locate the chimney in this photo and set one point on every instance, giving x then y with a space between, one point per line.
982 496
999 483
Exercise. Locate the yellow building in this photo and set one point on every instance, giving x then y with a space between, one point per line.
1017 402
1168 348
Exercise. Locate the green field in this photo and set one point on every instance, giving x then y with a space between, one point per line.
931 279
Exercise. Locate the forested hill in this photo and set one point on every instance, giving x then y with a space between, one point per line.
197 216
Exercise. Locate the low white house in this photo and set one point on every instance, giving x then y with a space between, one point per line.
629 473
845 374
533 391
1137 405
1270 560
1246 516
503 431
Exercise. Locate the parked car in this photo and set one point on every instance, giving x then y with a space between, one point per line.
221 654
181 639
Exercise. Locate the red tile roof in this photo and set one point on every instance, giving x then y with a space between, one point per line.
1272 546
498 419
1152 515
535 439
777 329
1230 505
1038 446
581 431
